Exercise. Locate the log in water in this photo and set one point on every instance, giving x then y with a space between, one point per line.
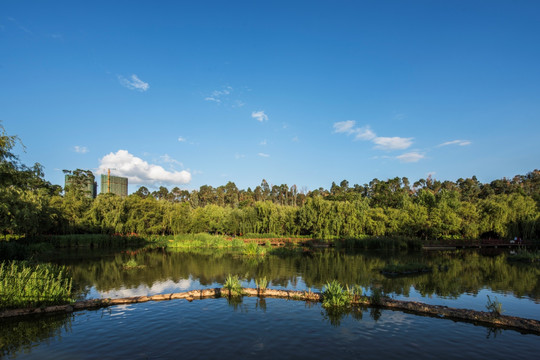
482 317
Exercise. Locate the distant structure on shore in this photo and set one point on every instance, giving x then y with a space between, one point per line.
114 185
82 180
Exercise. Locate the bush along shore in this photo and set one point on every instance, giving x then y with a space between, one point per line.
330 299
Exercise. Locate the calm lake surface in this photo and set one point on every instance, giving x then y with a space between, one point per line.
270 328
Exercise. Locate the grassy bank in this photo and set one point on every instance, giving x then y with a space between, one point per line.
27 285
27 247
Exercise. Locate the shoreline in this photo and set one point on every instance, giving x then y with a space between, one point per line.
439 311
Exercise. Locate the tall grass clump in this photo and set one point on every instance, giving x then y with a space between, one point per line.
335 295
200 240
232 283
254 249
26 285
494 306
261 283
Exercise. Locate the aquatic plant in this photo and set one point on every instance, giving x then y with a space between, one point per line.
232 283
261 283
132 264
335 295
254 249
356 293
494 306
25 285
376 296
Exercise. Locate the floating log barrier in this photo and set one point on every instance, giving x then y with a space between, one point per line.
481 317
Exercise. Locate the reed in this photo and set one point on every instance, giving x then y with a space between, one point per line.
261 283
232 283
26 285
494 306
254 249
200 240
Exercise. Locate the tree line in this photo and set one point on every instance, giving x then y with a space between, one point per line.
427 208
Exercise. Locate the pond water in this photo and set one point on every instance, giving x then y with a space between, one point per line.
258 328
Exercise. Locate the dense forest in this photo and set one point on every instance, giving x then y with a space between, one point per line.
427 208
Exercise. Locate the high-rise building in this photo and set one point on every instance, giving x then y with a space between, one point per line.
84 181
114 184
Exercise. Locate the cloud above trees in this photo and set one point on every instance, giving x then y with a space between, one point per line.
365 133
139 171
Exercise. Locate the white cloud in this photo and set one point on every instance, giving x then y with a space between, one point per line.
344 126
134 84
80 149
295 139
239 156
410 157
217 95
263 155
392 143
169 160
139 171
455 142
364 133
264 142
259 116
181 139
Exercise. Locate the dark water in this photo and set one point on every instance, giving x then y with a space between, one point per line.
255 328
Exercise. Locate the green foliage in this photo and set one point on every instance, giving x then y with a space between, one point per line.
25 285
494 306
254 249
376 296
383 209
261 283
356 293
232 283
132 264
335 295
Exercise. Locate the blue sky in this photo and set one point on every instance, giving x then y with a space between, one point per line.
187 93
